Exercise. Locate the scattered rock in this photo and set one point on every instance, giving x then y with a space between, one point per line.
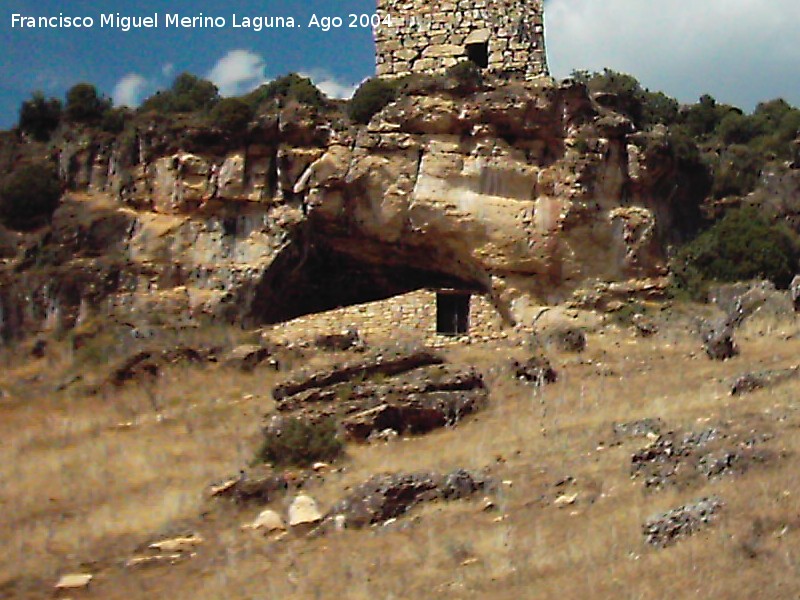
794 290
267 521
640 428
147 364
155 560
260 485
567 339
663 530
247 357
644 327
386 497
39 348
339 342
670 458
74 582
304 511
566 500
750 382
718 337
180 544
387 435
536 370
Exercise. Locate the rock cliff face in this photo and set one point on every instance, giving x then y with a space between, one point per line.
522 190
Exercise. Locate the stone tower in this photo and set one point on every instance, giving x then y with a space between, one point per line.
426 36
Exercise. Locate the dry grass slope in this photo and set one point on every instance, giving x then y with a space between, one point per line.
90 479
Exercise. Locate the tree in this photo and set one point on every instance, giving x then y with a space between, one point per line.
39 116
370 98
740 246
85 105
293 86
29 196
231 115
188 93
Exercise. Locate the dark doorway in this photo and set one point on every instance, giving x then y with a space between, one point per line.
452 312
479 53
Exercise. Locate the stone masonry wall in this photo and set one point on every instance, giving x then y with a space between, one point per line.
424 36
409 317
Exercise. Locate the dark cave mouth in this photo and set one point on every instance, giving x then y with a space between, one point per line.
303 281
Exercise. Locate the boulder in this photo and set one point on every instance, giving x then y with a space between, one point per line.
385 497
304 511
416 413
567 339
536 370
750 382
268 521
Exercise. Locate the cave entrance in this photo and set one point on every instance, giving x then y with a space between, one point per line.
308 278
452 312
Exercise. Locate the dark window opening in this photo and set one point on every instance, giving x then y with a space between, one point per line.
452 313
479 54
229 226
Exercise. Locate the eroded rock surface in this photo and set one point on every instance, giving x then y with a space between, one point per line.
488 189
385 497
406 392
663 530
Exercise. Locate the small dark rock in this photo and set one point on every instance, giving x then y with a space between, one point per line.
339 342
536 370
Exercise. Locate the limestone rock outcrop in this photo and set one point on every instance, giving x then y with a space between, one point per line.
519 189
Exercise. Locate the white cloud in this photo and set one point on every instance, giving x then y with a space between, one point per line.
168 69
130 90
329 85
740 51
237 72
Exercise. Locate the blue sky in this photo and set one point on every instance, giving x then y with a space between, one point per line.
740 51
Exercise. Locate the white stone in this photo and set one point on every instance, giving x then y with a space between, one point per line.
304 511
269 521
181 544
74 582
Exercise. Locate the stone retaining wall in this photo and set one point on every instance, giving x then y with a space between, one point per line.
411 316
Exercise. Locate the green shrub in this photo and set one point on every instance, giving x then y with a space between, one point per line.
114 120
39 116
301 443
466 74
29 196
740 246
370 98
643 107
188 93
291 86
85 105
231 115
